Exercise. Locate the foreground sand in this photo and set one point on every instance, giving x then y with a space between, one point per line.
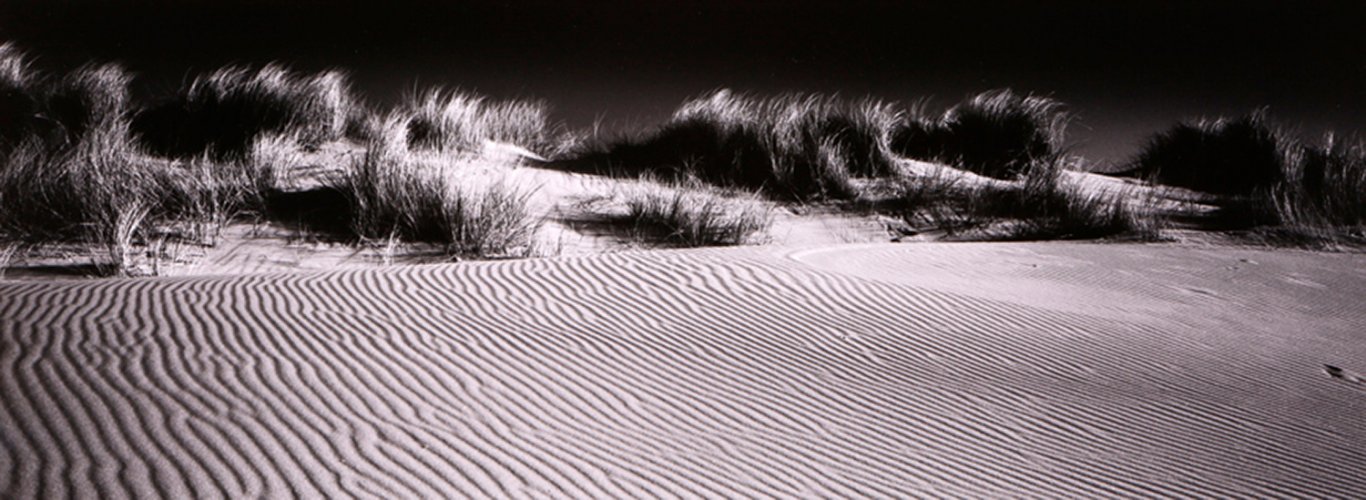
870 370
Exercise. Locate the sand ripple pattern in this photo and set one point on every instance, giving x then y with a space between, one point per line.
714 373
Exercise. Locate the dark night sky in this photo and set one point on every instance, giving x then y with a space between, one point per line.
1127 68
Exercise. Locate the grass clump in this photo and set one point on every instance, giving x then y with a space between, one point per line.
791 146
98 192
393 195
457 121
1323 195
224 111
85 179
60 186
997 133
1264 178
1224 156
691 214
1042 206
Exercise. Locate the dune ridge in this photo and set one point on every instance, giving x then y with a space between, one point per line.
851 371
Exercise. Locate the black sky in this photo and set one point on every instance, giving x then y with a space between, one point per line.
1127 68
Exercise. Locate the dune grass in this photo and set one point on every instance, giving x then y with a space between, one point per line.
95 192
54 185
393 195
89 98
81 162
86 179
1047 208
1044 205
223 111
89 172
459 121
1265 178
1322 199
104 192
792 146
997 133
691 214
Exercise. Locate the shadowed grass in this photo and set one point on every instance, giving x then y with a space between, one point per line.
222 112
56 186
1264 178
792 146
1223 156
96 192
996 133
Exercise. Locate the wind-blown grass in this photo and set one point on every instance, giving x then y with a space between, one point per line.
1046 207
95 192
1323 196
791 146
691 214
458 121
84 176
224 111
997 133
394 196
91 97
54 185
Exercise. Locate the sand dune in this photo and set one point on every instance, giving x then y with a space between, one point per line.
852 371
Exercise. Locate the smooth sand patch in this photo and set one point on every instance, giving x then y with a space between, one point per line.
961 370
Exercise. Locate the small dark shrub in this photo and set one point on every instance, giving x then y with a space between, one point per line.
1225 156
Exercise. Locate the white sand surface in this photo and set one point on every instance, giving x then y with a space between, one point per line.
953 370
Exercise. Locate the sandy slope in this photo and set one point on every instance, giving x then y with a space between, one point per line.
878 370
